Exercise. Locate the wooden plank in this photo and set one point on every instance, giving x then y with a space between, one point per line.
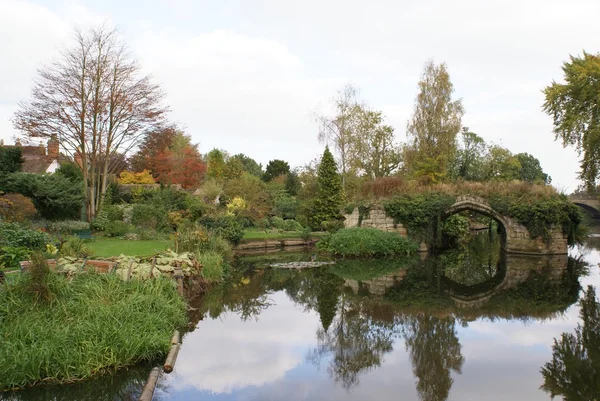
176 338
148 391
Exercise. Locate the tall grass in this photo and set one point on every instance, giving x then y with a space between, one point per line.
213 266
367 242
91 325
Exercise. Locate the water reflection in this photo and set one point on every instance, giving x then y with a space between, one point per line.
430 329
574 371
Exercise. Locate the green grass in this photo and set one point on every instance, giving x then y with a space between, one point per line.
106 247
253 234
91 325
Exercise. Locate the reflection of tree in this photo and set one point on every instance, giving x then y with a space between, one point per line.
475 262
328 293
434 350
356 342
574 371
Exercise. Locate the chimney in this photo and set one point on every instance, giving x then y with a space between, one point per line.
53 147
18 142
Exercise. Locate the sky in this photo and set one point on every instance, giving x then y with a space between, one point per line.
247 76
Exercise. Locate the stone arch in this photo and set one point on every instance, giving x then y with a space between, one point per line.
516 237
479 205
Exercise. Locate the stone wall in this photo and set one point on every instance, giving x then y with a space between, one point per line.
376 218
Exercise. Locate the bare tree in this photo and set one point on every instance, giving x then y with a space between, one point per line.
339 130
95 100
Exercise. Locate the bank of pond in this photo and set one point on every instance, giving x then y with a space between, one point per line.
112 332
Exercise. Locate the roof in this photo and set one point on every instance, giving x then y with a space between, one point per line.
35 160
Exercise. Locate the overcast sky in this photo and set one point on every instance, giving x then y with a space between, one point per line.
246 75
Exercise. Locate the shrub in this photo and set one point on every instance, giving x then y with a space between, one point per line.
190 237
54 196
36 283
16 208
75 247
277 222
332 226
10 256
67 226
285 206
212 266
369 242
12 234
144 177
100 221
150 217
227 227
292 225
116 229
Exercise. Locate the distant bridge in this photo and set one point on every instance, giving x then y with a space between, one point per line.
591 203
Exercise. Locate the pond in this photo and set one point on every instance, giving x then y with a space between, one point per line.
468 324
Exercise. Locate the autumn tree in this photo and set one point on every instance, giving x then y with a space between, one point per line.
434 125
216 164
97 101
154 143
180 163
575 109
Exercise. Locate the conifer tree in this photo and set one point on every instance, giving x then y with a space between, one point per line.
330 195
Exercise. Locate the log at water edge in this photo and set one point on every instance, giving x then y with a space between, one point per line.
175 339
148 391
171 358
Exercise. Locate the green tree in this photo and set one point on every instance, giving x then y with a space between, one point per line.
292 183
70 171
215 160
11 160
468 162
250 165
374 151
575 109
330 195
574 372
531 171
434 125
275 168
501 164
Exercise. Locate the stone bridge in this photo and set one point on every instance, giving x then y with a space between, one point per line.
591 203
515 236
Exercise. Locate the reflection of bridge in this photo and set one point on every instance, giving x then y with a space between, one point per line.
590 203
512 271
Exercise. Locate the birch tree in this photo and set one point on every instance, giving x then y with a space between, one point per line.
96 102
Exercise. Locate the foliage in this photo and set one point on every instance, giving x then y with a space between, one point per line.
54 196
456 227
574 372
374 151
332 226
15 235
501 164
468 163
291 225
143 177
150 217
16 208
275 168
383 187
284 205
292 183
249 165
116 229
75 247
10 256
215 163
531 171
369 242
434 125
117 324
329 197
575 111
254 192
36 283
180 163
70 171
236 205
155 141
212 266
11 160
227 227
417 212
67 226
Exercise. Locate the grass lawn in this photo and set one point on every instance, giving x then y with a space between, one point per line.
254 234
105 247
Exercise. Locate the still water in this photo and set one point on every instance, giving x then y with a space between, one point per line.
470 324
